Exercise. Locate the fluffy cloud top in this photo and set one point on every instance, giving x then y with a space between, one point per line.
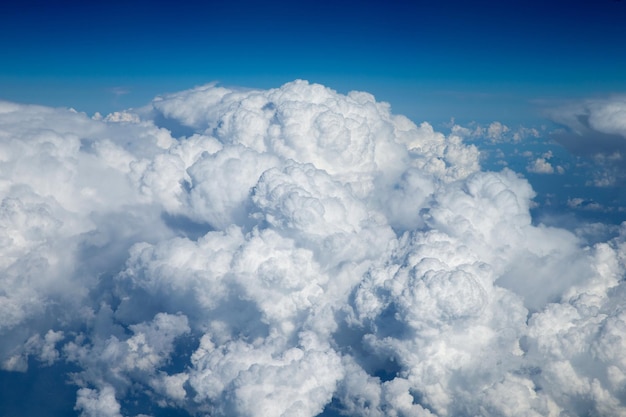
288 251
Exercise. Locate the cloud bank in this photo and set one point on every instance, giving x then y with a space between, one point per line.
294 252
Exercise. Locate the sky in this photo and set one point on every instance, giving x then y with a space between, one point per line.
432 60
313 209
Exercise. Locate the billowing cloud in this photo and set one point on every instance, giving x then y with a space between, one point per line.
292 251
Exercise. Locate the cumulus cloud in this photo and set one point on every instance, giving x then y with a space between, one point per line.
289 251
495 132
97 403
542 165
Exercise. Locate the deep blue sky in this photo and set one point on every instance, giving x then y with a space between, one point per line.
432 60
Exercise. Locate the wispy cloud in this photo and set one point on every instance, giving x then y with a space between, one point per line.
119 91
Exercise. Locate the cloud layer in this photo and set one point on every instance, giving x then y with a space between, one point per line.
291 252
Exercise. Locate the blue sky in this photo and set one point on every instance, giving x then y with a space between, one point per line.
472 60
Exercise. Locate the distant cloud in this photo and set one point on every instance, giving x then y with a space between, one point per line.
122 117
98 403
235 252
119 91
495 132
581 203
542 165
596 129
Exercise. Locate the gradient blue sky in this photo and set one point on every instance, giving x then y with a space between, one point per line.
432 60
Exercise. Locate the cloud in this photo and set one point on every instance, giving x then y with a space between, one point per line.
495 132
540 166
119 91
288 251
98 403
584 204
595 129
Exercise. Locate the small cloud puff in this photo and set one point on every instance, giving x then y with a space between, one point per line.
540 166
288 251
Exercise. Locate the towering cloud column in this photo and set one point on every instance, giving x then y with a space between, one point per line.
292 252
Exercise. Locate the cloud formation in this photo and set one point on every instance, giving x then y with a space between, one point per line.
542 165
495 132
595 129
289 252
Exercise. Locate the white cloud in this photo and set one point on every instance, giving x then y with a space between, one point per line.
496 130
122 117
608 116
581 203
97 403
271 252
540 166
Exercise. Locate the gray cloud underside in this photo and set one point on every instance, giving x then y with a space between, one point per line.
596 129
289 249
